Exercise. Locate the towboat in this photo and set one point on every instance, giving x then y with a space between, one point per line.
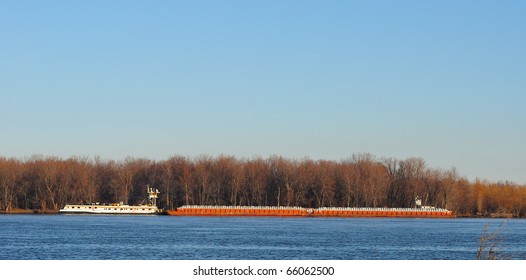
116 208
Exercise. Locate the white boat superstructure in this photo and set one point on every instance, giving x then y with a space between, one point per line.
108 209
116 208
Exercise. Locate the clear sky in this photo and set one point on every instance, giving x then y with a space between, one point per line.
441 80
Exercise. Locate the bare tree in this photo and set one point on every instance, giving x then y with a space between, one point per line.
256 176
10 172
490 241
49 182
202 174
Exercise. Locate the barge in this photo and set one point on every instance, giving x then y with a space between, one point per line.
271 211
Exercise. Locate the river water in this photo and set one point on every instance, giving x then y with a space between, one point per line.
87 237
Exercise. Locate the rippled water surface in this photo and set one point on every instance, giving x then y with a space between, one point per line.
164 237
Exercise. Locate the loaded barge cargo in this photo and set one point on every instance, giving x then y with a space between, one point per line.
270 211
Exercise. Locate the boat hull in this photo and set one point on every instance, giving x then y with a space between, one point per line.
109 209
116 208
309 212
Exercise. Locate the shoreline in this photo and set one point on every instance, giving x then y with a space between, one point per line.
29 211
53 212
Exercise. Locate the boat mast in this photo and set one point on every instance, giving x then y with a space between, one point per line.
418 202
152 195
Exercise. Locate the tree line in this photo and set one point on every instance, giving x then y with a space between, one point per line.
362 180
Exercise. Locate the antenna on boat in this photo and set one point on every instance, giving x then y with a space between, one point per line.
152 195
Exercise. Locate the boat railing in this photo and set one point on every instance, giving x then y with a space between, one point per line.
241 207
382 209
427 209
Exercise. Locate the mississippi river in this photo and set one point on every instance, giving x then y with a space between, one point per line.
85 237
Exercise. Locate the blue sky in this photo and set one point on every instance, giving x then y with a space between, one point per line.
441 80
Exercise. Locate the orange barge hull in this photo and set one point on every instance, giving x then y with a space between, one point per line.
309 212
384 214
222 212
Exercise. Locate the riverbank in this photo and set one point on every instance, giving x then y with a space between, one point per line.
29 211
